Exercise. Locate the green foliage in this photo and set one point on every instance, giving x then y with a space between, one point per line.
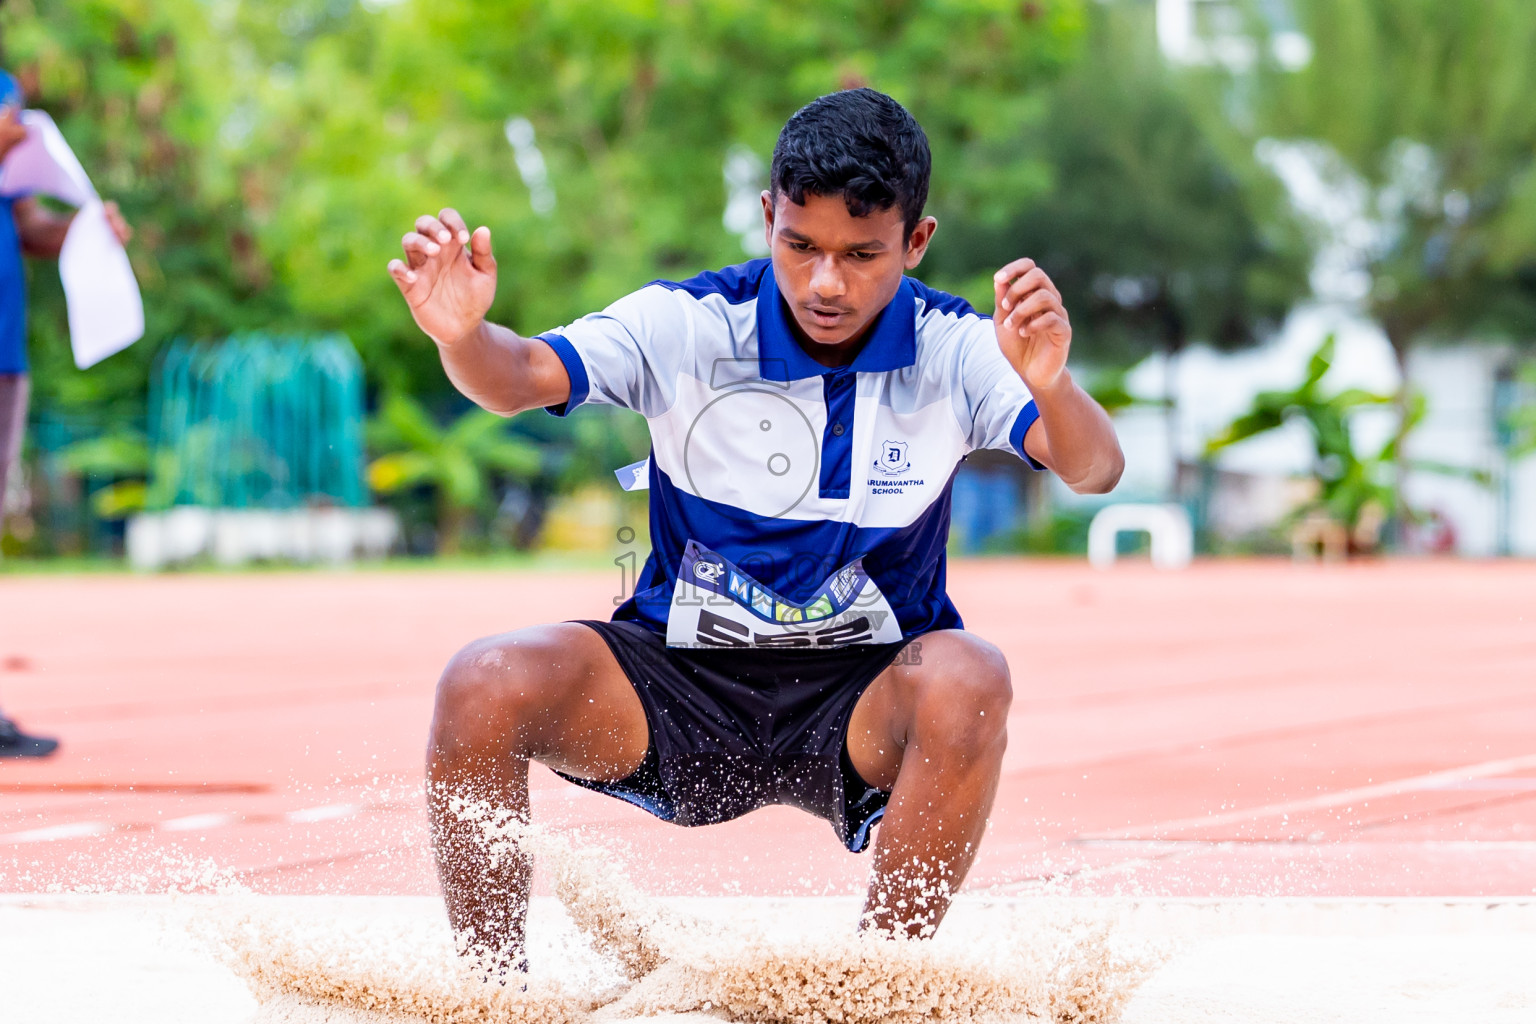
1429 105
1108 387
271 155
1156 234
598 443
1522 419
122 456
1350 485
457 463
354 124
1060 532
142 92
124 453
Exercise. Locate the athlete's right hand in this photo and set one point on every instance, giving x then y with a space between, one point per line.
448 276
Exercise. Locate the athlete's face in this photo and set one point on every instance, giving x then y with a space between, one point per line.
837 271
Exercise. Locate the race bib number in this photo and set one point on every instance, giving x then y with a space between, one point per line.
715 604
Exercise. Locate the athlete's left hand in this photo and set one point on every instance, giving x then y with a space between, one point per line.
1031 323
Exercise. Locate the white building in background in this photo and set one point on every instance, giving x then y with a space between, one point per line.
1206 32
1263 478
1460 428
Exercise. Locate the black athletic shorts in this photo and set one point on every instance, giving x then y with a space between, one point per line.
733 730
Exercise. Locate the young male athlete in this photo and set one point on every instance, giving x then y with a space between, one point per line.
790 639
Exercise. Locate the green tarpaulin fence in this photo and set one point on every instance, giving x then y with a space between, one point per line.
257 421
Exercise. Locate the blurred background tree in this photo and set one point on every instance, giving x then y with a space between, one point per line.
592 137
459 463
140 90
1424 115
272 153
1410 131
1157 235
1353 490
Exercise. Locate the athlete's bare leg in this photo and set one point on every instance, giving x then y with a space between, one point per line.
932 730
553 694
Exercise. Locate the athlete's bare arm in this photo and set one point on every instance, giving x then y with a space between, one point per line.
448 278
1073 436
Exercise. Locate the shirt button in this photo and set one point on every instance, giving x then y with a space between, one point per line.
837 430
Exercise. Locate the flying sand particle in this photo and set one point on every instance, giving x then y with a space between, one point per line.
309 971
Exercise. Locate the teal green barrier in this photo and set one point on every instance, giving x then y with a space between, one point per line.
257 421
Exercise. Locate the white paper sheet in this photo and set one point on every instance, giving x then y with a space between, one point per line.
106 311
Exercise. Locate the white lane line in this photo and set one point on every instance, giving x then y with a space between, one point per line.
187 823
1339 798
1521 785
52 833
1056 880
1159 852
1329 845
196 822
324 813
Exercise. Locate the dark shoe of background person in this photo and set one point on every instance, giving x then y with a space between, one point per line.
15 743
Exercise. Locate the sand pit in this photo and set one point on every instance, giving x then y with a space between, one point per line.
602 951
1078 979
618 955
129 959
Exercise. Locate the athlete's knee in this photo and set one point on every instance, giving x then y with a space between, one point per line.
492 690
964 697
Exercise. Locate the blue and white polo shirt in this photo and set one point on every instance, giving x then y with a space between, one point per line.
794 504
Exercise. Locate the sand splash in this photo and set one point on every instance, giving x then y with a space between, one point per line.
615 917
630 957
866 980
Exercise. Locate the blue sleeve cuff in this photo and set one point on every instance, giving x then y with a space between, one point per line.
574 368
1027 417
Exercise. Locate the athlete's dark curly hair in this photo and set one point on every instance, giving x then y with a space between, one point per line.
859 144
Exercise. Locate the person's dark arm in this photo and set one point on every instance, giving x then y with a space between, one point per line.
1073 436
42 231
448 279
12 131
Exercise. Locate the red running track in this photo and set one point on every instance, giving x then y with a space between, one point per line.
1249 728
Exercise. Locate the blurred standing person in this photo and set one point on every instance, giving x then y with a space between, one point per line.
26 227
